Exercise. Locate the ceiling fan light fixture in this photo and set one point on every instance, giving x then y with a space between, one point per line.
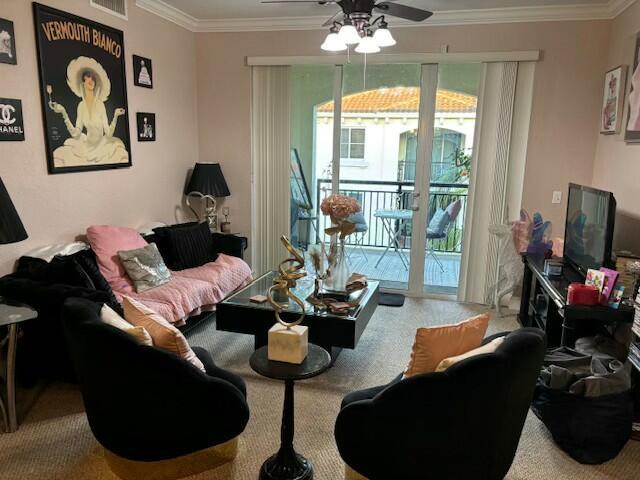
383 37
348 33
333 43
367 45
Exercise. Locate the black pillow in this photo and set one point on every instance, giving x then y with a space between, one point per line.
86 260
189 246
161 238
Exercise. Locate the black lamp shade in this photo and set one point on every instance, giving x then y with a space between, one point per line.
207 179
11 228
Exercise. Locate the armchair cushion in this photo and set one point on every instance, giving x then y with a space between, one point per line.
434 344
110 317
164 335
484 349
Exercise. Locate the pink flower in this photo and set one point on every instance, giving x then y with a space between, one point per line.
339 207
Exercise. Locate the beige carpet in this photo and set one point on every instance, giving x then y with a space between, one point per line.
54 440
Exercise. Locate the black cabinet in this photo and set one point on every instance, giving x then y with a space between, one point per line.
544 305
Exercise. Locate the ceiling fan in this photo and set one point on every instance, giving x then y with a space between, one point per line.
354 25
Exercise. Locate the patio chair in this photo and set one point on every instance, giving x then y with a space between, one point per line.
361 228
439 226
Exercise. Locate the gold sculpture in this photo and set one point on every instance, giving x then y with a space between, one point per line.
290 271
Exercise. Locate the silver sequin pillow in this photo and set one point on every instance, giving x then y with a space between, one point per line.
145 267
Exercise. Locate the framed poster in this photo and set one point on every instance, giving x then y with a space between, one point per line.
11 121
614 88
142 72
84 92
632 134
7 42
146 126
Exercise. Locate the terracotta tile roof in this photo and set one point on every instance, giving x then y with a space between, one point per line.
403 99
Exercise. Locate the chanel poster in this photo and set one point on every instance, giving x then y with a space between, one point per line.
146 127
7 42
11 122
142 72
84 93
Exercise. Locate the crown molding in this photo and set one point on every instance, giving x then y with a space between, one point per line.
556 13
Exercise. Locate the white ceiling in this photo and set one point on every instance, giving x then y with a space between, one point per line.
252 15
218 9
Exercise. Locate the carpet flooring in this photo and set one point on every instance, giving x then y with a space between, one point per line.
54 440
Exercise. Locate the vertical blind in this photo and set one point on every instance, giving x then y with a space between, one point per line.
271 165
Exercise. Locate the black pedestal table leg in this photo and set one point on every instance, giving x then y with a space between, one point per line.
287 464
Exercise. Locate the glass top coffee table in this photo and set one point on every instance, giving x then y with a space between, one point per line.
333 332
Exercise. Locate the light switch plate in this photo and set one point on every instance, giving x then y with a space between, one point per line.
557 197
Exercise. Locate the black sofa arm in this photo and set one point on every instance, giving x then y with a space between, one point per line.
232 245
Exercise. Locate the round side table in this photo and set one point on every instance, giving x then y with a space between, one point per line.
11 314
287 464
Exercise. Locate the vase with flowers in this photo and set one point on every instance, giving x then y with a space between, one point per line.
339 208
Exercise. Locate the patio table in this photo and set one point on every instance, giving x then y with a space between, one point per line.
388 216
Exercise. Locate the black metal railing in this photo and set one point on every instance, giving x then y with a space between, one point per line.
385 195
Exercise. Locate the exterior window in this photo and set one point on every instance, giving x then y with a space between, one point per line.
446 144
352 143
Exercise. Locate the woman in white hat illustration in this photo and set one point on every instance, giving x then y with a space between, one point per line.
92 140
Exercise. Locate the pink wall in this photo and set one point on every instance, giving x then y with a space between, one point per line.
202 101
566 100
56 208
617 164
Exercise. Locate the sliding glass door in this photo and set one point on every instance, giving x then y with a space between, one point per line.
403 149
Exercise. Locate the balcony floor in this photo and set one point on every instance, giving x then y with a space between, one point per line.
392 273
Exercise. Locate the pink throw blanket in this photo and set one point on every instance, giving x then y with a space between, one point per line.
195 289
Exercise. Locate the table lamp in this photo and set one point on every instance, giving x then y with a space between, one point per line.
11 228
207 182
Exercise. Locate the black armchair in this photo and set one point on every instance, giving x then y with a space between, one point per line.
463 423
152 411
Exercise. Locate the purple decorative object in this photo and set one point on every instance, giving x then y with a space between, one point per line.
540 241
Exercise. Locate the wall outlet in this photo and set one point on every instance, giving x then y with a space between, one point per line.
557 197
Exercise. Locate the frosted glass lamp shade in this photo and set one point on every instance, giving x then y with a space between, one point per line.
333 43
383 37
367 45
349 35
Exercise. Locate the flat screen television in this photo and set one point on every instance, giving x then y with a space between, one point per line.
589 228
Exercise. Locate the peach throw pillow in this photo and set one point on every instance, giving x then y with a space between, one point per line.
164 335
434 344
490 347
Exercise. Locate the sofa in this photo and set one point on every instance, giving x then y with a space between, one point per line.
45 285
135 400
462 423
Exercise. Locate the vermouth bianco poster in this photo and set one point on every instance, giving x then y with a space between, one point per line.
84 92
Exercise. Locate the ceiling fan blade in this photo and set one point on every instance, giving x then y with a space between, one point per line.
337 17
403 11
319 2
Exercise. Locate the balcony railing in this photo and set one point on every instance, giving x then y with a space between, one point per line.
385 195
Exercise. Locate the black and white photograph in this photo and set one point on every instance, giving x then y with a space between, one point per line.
11 121
7 42
146 127
142 72
84 92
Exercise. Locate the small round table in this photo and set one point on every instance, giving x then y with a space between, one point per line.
287 464
11 314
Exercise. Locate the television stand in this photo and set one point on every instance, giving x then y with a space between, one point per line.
543 304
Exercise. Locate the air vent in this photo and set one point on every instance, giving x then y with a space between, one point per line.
114 7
